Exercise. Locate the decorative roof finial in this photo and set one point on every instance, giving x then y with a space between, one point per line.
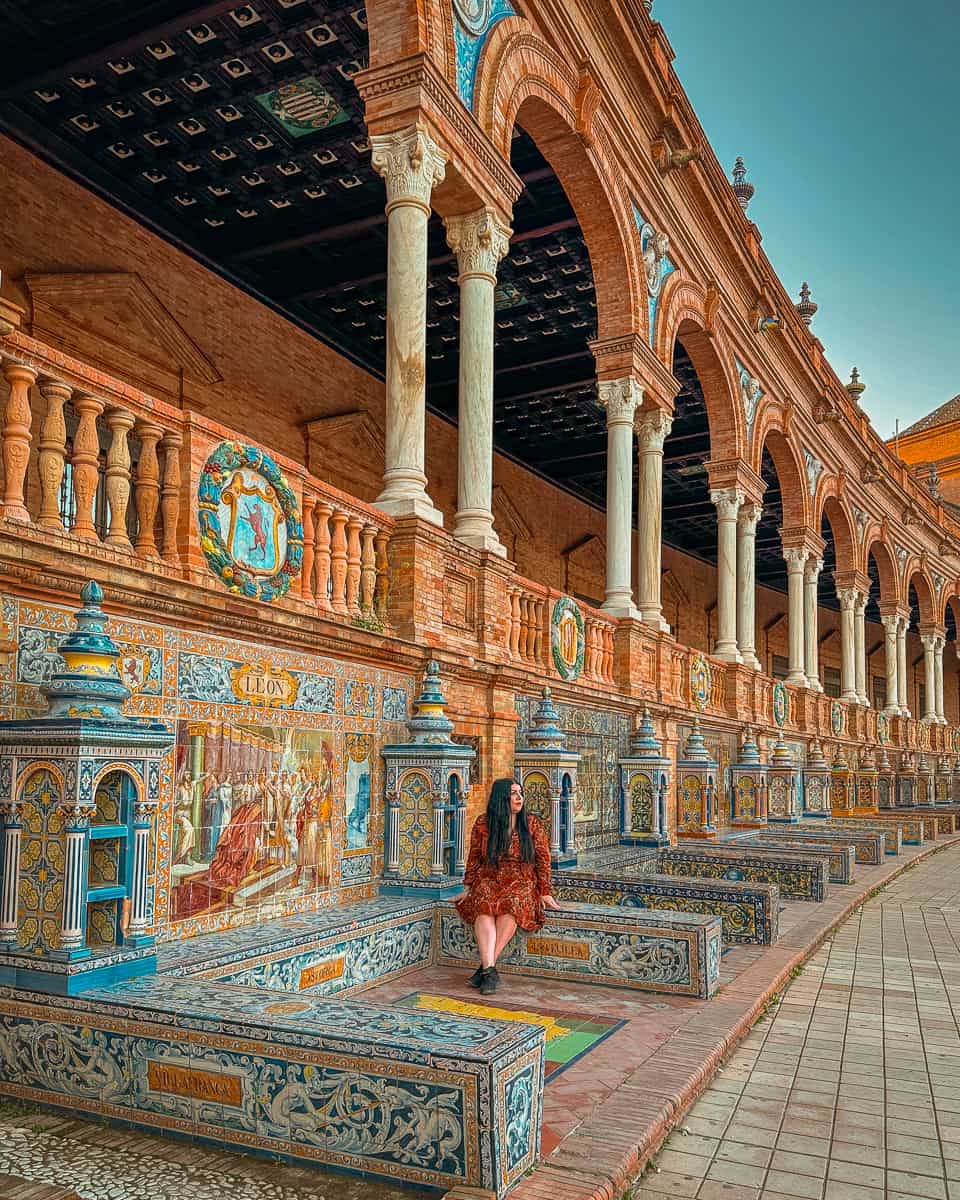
429 724
89 684
741 188
855 387
933 483
806 309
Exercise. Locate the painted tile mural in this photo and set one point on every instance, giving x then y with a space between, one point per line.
269 799
600 736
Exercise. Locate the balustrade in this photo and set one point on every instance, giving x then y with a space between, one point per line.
345 566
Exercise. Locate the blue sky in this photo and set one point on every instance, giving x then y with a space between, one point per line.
846 113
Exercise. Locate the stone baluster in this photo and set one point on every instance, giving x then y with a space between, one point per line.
891 624
117 488
382 593
368 568
795 558
306 571
10 881
479 240
747 519
652 427
811 625
848 638
322 555
727 502
53 452
860 650
146 492
530 646
902 701
338 562
354 525
539 642
620 398
86 464
17 419
411 165
170 498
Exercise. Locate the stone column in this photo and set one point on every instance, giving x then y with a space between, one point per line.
747 583
17 419
76 834
795 559
480 241
118 477
10 882
652 427
890 625
848 618
393 832
53 450
555 802
86 464
620 398
929 642
727 502
460 863
139 890
860 650
811 624
438 813
938 679
147 489
411 165
903 700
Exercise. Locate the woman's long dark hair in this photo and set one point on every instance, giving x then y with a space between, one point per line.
498 825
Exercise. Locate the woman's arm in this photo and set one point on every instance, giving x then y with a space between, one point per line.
475 857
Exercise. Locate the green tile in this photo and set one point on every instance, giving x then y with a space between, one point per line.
562 1049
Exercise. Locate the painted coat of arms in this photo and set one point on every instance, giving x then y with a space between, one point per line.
250 529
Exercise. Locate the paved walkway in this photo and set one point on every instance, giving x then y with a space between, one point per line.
850 1090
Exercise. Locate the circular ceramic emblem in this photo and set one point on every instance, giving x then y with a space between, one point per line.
836 718
566 638
701 681
473 15
780 701
883 731
250 530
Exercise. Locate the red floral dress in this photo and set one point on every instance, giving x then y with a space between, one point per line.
514 886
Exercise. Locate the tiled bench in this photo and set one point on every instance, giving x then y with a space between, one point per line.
749 912
916 830
892 833
430 1099
673 952
799 876
840 855
946 821
868 845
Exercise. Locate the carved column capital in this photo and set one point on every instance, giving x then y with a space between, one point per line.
652 426
411 165
749 517
849 599
891 623
812 568
727 502
621 398
795 557
479 240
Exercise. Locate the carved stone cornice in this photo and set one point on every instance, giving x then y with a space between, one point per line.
479 240
629 354
411 165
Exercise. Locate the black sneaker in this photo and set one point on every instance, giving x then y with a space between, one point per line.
490 982
476 978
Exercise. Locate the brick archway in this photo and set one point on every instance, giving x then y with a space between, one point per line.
842 530
790 473
916 578
521 80
886 569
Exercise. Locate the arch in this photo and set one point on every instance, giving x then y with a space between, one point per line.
520 79
35 768
916 578
681 319
886 568
119 769
951 611
835 513
790 472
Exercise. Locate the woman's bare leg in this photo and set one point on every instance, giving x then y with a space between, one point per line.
485 931
506 927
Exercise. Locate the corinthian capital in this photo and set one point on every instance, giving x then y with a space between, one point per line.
727 502
813 567
749 517
849 599
621 398
411 163
795 557
652 428
479 240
